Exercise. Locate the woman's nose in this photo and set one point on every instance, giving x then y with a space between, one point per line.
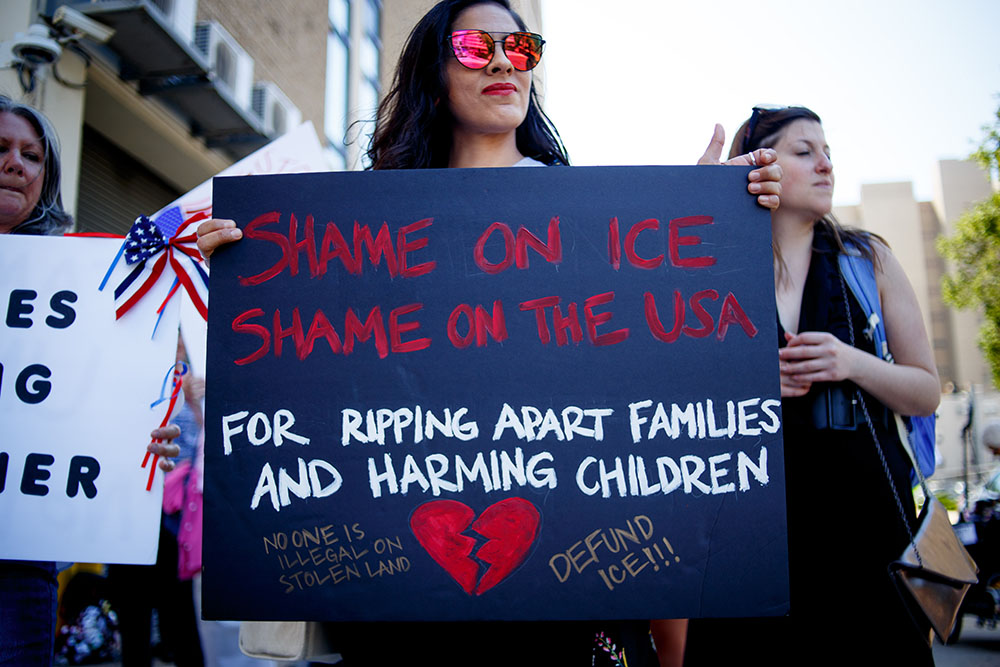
500 62
825 163
12 163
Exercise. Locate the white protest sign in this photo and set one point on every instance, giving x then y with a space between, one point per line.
75 392
297 151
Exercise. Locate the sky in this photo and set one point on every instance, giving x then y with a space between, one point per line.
899 85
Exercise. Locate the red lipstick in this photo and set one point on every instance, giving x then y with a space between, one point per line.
499 89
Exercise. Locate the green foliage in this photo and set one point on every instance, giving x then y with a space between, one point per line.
988 153
949 500
974 250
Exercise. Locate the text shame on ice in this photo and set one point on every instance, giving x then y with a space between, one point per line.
501 469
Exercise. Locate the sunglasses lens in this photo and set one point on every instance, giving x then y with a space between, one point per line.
523 49
473 48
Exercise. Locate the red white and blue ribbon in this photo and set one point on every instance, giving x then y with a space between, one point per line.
150 248
176 378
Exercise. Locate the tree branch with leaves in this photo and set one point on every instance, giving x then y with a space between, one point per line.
974 252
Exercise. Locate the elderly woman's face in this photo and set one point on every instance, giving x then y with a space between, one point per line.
492 100
22 170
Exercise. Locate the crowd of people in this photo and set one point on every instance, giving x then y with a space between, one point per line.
463 96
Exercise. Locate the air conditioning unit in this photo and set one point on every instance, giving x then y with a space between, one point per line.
230 64
276 112
179 15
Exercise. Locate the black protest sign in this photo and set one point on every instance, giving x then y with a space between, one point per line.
494 394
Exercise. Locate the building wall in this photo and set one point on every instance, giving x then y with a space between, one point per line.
912 230
940 332
147 130
398 19
959 184
891 211
287 40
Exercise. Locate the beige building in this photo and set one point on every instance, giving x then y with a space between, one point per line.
912 229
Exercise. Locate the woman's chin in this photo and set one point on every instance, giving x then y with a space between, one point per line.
11 215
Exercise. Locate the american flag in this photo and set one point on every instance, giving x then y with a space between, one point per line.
157 248
143 241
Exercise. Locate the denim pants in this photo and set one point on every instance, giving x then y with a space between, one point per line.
27 612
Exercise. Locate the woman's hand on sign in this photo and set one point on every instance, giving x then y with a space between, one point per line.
216 232
162 445
765 180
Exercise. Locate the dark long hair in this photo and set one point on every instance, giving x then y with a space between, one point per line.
413 128
762 130
48 217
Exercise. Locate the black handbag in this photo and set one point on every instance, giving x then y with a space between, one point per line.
935 571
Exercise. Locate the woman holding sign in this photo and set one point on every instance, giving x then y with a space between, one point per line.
463 95
844 523
31 203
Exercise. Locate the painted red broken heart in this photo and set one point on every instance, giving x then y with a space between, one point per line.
510 526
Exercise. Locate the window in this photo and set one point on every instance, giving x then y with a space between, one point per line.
366 104
337 64
352 77
339 14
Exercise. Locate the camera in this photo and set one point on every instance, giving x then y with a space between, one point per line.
77 22
36 46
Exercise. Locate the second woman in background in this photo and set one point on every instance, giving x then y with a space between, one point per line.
844 523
